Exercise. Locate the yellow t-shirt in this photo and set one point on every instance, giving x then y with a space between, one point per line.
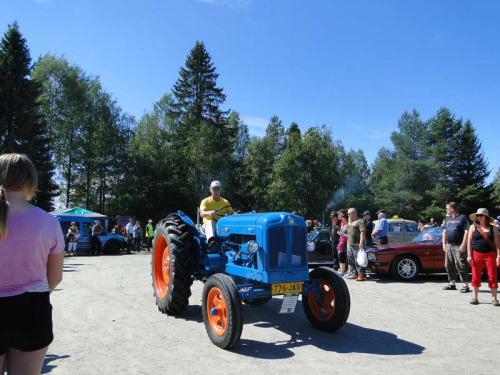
209 204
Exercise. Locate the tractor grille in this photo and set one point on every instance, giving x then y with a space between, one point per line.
287 247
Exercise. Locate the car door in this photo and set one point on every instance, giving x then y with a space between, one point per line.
324 245
396 232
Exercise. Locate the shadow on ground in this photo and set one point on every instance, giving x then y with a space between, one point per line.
349 339
422 279
72 267
49 358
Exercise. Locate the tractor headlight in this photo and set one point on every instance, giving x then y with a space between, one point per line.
371 256
311 246
252 247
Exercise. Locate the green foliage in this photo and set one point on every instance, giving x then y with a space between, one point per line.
306 173
258 163
89 133
22 128
202 135
495 194
433 162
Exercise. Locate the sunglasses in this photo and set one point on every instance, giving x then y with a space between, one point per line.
479 215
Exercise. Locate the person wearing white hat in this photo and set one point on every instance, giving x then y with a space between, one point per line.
212 208
483 247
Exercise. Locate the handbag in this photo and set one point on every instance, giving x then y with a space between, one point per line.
362 258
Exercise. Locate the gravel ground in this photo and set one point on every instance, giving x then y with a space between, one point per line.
106 322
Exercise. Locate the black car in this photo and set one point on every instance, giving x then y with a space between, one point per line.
319 247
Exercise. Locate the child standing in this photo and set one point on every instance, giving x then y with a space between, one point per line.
31 259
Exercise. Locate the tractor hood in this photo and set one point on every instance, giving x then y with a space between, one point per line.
265 218
246 223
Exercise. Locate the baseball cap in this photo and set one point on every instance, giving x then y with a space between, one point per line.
215 184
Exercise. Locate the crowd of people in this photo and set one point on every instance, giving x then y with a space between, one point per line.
467 247
137 237
350 234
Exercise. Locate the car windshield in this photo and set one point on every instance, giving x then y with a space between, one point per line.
312 235
430 235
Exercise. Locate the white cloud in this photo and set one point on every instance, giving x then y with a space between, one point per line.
256 125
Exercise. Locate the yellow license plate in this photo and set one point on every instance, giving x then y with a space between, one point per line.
286 288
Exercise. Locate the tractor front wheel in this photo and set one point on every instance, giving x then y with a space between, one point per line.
327 308
222 312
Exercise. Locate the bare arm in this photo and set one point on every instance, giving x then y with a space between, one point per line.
469 241
362 236
204 213
463 246
443 239
497 243
55 270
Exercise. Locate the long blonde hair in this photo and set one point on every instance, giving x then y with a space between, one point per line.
17 172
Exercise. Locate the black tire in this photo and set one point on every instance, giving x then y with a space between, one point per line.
234 312
257 301
112 247
340 302
405 268
172 238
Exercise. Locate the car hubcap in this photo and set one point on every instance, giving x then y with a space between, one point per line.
407 268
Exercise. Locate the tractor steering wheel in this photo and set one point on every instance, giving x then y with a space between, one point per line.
220 209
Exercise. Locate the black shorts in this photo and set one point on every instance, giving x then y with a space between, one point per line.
343 257
25 322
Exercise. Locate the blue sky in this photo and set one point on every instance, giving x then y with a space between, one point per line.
352 65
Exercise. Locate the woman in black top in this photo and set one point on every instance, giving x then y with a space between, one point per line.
483 247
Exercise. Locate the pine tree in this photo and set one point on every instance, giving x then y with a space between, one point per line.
469 170
202 137
22 129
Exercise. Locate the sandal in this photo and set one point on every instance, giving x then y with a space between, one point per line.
450 287
495 302
465 289
474 301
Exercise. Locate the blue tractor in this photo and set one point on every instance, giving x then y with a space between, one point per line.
255 256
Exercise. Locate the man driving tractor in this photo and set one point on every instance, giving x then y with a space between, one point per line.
212 208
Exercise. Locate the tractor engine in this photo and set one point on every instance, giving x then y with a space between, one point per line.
264 247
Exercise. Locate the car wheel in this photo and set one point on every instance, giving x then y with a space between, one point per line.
405 268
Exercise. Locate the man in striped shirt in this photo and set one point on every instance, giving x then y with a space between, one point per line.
381 228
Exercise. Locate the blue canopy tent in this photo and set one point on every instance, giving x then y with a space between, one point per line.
79 212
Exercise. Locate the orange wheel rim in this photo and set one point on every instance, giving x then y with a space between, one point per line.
322 308
217 311
161 267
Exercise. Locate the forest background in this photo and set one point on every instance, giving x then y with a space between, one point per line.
89 152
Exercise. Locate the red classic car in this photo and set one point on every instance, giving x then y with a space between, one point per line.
424 254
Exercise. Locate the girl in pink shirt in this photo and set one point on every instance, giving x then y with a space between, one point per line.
31 263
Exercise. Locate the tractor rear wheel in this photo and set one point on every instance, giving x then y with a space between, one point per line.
257 301
222 311
172 265
328 308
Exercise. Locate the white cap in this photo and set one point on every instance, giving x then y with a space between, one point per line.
215 184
